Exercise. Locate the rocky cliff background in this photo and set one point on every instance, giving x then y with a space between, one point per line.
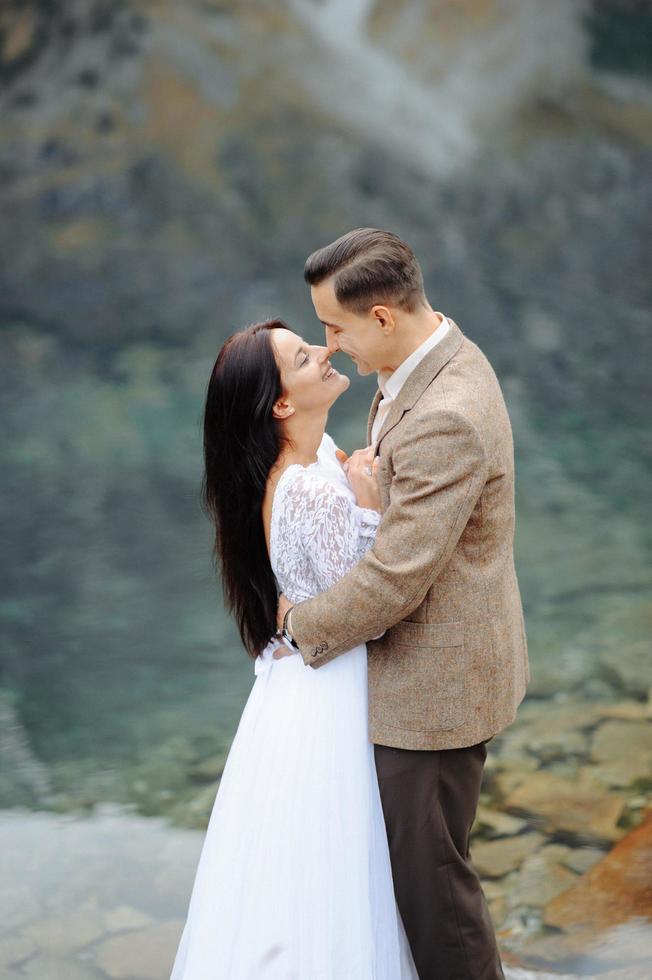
165 168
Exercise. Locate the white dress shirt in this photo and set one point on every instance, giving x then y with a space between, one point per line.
391 386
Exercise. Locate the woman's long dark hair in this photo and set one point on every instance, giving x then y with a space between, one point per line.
242 441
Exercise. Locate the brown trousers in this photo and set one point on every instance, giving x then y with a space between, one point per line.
429 801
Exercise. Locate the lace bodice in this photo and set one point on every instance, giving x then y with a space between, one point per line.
317 532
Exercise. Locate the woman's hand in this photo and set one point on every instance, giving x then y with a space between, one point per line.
360 468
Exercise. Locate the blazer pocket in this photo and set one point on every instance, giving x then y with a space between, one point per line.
432 635
424 679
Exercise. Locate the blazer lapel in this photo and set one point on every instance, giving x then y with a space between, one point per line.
417 382
372 413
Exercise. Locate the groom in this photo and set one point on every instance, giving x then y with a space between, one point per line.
452 666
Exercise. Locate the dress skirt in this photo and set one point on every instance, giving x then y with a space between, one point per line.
294 877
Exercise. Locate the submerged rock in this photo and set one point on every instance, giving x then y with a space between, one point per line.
623 751
46 965
152 949
126 917
62 934
631 664
13 949
209 769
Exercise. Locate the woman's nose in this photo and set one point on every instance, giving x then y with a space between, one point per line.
322 354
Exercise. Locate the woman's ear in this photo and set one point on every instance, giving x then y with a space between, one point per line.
282 409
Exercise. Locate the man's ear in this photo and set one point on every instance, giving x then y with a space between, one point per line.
384 318
282 409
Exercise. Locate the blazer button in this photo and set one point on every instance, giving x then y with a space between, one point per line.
324 645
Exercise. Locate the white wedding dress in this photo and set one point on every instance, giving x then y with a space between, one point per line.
294 879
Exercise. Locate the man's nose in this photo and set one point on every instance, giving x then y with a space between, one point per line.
331 343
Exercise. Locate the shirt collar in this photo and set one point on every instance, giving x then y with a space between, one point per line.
391 387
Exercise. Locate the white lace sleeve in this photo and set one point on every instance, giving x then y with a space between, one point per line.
335 532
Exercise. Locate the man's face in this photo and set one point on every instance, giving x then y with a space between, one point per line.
359 336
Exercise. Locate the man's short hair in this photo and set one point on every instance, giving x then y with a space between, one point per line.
369 266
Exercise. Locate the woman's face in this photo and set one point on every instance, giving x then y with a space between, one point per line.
309 382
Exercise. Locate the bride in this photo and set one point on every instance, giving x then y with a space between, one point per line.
294 877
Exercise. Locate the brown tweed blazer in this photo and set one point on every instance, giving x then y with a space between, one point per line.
452 666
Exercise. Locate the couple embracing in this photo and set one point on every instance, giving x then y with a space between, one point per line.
378 597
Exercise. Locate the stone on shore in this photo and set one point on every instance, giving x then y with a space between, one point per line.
542 876
495 858
510 774
142 954
629 710
555 733
580 859
494 823
582 810
618 888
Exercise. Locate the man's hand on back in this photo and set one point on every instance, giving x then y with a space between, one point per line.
283 605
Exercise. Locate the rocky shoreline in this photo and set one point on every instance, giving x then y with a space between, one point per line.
563 836
562 841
